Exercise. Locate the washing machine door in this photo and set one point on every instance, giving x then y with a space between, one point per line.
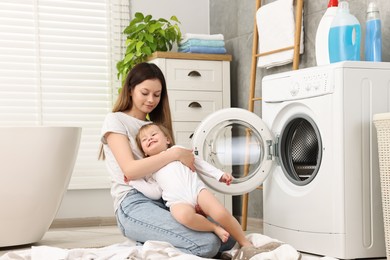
235 140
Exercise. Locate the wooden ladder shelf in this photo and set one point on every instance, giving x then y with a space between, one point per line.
252 86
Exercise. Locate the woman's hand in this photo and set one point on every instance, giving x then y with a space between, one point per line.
185 156
226 178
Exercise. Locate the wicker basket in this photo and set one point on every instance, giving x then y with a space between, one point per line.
382 124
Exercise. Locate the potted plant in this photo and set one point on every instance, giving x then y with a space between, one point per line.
145 36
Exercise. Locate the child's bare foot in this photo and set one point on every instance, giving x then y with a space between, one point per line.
222 233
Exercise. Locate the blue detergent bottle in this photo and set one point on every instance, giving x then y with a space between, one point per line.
373 39
344 35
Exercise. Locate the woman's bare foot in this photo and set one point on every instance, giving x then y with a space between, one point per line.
222 233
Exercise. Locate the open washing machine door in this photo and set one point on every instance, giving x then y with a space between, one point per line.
235 140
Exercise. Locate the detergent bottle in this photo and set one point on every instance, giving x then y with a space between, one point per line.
344 35
321 44
373 40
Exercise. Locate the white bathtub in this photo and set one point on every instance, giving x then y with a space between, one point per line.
36 164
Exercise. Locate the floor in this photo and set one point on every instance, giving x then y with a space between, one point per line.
100 236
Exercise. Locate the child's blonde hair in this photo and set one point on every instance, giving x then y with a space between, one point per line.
163 129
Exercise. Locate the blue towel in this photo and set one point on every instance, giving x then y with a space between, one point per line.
200 42
204 49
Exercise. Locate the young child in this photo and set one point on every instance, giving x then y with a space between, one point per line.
183 190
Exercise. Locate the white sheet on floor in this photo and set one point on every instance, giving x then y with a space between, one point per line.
151 250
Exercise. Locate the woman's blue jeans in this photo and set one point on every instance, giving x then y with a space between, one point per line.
142 219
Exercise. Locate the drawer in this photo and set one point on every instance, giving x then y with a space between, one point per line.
193 105
183 132
194 75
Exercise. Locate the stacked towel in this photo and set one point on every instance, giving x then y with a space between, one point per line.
276 26
202 43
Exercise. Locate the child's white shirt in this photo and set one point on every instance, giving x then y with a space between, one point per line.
177 183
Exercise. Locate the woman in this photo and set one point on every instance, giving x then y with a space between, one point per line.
144 95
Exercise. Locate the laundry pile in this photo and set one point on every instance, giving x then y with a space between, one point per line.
202 43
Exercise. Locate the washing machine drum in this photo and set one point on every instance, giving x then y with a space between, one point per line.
236 140
300 150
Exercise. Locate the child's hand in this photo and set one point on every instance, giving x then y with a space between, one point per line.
226 178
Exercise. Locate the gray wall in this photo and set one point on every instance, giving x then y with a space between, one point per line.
235 19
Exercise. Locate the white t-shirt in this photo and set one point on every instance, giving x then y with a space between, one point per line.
122 123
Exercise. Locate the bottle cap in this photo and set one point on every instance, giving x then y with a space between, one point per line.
333 3
372 7
343 7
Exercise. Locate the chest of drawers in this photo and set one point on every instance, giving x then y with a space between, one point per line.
198 84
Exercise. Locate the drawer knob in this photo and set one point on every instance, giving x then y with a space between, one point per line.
194 104
194 73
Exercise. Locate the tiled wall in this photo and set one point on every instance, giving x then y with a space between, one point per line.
235 20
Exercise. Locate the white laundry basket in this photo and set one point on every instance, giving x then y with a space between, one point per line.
382 124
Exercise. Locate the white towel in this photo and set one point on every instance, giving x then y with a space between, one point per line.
276 26
213 37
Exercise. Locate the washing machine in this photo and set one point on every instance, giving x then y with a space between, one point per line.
315 152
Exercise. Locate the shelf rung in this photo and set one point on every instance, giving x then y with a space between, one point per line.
274 51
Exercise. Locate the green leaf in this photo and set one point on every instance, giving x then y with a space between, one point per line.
136 30
163 20
139 15
119 65
149 37
153 46
131 47
147 18
174 18
147 50
155 26
129 29
128 58
139 45
162 33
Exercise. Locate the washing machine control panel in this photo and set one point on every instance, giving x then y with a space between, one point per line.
298 85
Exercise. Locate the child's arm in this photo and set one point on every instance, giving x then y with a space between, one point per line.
149 188
208 169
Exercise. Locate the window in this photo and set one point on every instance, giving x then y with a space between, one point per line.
57 67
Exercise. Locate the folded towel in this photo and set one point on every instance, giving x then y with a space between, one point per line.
199 42
188 36
276 26
203 49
